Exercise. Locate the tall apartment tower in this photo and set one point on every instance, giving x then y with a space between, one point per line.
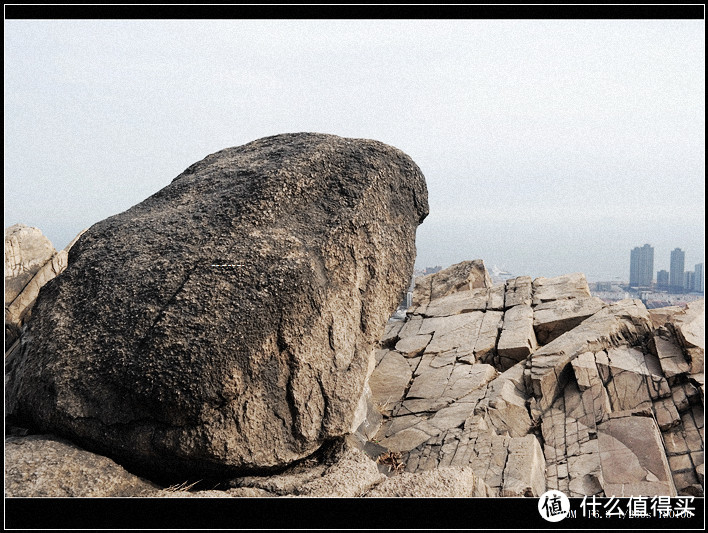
641 266
676 274
698 281
688 281
662 279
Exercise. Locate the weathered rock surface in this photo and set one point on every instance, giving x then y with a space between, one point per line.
632 458
665 346
463 276
610 403
17 311
621 323
690 330
517 340
46 466
226 323
660 316
346 472
560 288
456 303
505 404
390 380
451 482
26 251
518 292
510 466
620 427
552 319
352 475
26 272
524 471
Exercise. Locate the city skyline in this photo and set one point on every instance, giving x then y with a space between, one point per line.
680 277
657 260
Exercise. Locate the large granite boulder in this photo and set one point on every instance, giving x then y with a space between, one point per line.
225 325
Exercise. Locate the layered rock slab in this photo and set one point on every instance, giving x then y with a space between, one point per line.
625 422
27 270
689 326
564 287
596 366
619 324
517 340
632 458
46 466
552 319
26 251
226 323
510 466
463 276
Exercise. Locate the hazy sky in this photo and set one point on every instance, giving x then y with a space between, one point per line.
549 146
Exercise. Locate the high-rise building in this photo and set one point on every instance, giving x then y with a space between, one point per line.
698 281
676 274
688 281
641 266
662 279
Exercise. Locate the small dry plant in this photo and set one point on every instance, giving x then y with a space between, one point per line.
382 407
181 487
392 460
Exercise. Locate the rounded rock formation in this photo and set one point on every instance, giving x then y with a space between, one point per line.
226 324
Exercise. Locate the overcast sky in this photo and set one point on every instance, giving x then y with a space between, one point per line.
549 146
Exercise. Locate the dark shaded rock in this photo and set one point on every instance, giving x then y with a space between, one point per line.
225 324
342 471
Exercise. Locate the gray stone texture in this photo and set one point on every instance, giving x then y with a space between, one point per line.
46 466
226 323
